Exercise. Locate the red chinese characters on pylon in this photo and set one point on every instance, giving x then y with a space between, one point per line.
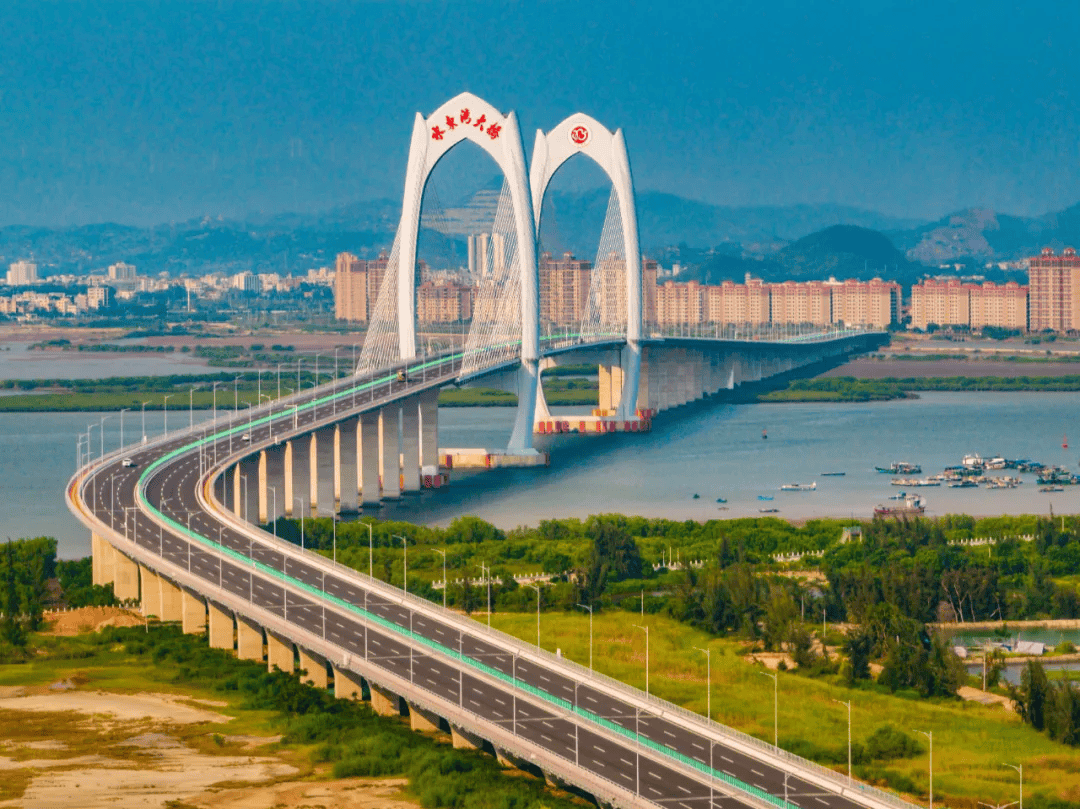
492 129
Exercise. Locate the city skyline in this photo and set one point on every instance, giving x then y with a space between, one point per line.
229 110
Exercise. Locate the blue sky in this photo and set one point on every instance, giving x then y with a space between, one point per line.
140 112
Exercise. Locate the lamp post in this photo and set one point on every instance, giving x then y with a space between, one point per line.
405 563
848 704
370 553
123 410
584 607
165 404
1020 770
333 520
144 404
537 588
776 705
441 552
708 680
645 629
273 522
215 401
191 407
930 735
279 379
485 571
236 394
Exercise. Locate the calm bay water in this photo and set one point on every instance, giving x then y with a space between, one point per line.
18 362
713 451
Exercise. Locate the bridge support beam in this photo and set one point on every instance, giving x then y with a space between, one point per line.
314 666
172 603
279 653
303 452
125 578
370 465
249 639
221 628
314 445
348 466
287 506
611 386
347 684
336 469
389 452
429 429
464 740
263 495
275 482
193 608
151 592
102 569
324 478
423 720
383 702
410 445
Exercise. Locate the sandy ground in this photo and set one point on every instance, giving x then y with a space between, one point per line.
175 772
985 697
90 619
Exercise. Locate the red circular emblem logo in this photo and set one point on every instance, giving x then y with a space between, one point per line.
579 135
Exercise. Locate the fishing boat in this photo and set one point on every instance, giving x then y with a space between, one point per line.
799 487
833 474
898 496
1051 488
721 500
764 497
900 468
768 510
964 483
912 505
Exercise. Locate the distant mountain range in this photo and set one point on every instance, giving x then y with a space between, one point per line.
714 242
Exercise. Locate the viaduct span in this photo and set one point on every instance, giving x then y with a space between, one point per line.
175 524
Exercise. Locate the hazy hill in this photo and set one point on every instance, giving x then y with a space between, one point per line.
981 233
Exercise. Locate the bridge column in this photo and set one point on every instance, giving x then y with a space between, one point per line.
370 448
649 388
102 560
279 653
347 684
262 488
237 491
389 452
410 444
151 592
336 476
126 580
302 455
313 470
275 481
287 506
193 609
324 478
611 387
429 429
465 740
249 639
348 475
384 702
423 720
172 608
221 627
315 666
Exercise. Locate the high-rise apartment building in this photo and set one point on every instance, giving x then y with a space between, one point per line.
1002 306
564 288
1054 291
951 303
487 253
121 271
22 273
444 302
873 303
795 303
356 286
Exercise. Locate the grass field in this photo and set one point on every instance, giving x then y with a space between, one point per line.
971 741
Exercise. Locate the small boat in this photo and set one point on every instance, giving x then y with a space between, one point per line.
900 468
833 474
799 487
768 511
1051 488
912 505
764 434
966 483
696 496
721 500
764 497
898 496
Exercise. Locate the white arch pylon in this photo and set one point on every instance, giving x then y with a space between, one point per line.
468 117
582 134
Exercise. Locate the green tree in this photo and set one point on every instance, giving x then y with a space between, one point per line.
614 555
1031 697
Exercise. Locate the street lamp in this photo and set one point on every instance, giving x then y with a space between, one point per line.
370 553
645 629
930 735
405 563
584 607
485 571
708 680
191 407
273 522
776 705
165 404
1019 769
848 704
215 401
144 404
537 588
443 553
123 410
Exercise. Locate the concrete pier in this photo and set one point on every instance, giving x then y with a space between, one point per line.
172 604
348 464
315 666
193 609
410 445
389 452
279 653
369 458
125 577
249 639
221 628
383 702
151 592
347 684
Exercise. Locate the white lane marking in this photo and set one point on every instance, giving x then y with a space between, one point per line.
598 747
669 733
654 774
684 789
627 763
819 800
655 791
590 699
501 702
728 760
755 772
698 746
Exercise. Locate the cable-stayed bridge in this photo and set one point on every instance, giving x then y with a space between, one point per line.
175 521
